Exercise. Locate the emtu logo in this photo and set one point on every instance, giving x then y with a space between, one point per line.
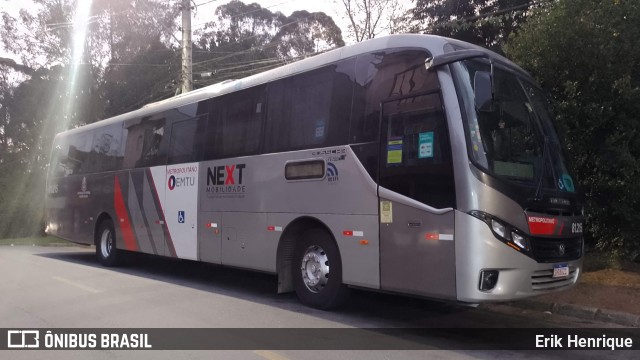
183 181
332 172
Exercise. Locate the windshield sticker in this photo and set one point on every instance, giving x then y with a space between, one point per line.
386 212
394 151
425 145
568 183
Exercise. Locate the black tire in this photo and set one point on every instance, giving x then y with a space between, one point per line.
106 250
313 289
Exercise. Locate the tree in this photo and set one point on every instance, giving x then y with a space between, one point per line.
150 75
44 37
304 33
369 18
57 93
587 54
487 23
246 39
28 122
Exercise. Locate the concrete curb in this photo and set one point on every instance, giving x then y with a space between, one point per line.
580 312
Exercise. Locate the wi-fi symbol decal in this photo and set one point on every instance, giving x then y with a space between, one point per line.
332 170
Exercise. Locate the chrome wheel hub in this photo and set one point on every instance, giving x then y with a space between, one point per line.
315 268
106 243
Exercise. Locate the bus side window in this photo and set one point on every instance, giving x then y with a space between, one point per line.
76 161
147 142
278 117
382 75
235 124
59 155
415 155
106 150
186 140
310 110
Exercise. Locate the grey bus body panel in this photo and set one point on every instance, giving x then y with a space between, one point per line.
210 238
417 252
251 208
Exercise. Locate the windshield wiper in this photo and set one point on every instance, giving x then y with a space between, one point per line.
537 196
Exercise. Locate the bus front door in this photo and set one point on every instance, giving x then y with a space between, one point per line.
416 191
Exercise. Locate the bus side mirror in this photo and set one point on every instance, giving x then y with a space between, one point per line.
483 91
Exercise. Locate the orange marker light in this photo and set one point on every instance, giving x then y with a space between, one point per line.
513 246
364 242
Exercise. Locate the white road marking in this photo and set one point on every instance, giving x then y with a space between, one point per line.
79 286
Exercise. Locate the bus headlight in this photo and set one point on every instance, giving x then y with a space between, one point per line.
519 240
498 228
504 232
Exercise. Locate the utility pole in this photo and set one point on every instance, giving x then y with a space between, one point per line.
187 76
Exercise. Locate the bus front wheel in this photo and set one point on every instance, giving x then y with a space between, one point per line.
317 272
106 250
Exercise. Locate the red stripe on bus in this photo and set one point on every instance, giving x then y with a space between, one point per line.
165 226
123 218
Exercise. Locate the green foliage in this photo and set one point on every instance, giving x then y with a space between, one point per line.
246 39
33 112
144 78
487 23
587 54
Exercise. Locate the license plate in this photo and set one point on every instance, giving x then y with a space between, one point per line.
560 270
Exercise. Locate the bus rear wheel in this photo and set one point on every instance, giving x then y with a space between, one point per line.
317 272
106 250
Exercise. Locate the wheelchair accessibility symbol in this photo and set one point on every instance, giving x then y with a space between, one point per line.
181 217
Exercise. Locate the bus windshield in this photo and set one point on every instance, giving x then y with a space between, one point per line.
507 140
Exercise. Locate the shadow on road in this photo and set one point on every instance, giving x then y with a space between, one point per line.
403 322
369 309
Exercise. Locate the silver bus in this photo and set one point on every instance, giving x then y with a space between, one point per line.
411 164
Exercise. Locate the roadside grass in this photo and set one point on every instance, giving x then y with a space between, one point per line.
36 241
598 271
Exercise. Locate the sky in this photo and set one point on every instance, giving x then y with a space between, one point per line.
329 7
205 9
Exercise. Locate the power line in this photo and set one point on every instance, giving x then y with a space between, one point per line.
250 37
481 16
206 2
247 12
139 64
162 24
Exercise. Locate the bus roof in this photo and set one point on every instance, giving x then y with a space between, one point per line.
434 44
